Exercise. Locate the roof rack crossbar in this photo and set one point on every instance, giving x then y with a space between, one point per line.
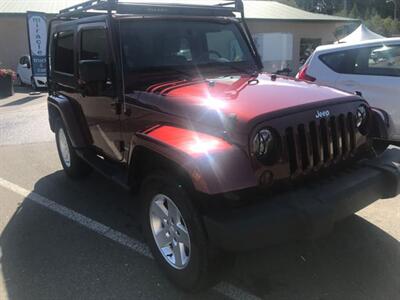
222 9
93 4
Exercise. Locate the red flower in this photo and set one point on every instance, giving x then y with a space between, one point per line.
8 72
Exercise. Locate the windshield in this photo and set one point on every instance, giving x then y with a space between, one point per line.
182 48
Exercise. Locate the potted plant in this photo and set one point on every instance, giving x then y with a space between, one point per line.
7 77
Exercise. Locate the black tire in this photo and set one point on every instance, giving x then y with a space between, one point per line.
75 168
380 146
206 264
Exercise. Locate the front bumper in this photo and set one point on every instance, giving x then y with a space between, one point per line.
307 212
41 82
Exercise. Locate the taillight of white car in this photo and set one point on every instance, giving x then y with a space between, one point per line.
302 75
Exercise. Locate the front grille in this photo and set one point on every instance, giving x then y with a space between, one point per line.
321 143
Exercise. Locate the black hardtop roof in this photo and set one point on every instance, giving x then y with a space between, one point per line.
70 23
90 10
223 9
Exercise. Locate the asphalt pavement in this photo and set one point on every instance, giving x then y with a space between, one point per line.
65 239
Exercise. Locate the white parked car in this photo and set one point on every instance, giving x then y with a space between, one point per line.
24 74
370 67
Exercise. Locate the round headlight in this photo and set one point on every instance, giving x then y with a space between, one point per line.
361 116
262 142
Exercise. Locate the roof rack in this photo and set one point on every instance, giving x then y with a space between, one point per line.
225 8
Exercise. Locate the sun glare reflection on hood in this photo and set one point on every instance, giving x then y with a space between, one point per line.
188 141
214 103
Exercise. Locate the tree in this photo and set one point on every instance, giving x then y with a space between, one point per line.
380 16
396 4
345 6
334 6
355 12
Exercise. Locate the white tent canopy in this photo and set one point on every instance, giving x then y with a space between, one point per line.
362 33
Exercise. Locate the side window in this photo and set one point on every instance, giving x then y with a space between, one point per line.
341 62
64 53
373 61
94 45
383 61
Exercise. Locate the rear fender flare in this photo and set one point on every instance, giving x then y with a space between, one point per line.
64 109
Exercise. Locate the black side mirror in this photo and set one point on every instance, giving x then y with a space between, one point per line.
91 71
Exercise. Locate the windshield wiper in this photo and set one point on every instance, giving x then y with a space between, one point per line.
186 74
247 71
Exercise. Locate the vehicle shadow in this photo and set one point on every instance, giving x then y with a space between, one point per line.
47 256
22 89
356 261
28 89
40 258
22 101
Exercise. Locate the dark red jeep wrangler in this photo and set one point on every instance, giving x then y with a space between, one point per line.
171 101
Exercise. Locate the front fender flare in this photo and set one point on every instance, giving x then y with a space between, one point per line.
380 124
214 165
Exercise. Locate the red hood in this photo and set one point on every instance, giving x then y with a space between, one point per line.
246 99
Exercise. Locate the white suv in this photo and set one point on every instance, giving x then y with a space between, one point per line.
24 74
371 68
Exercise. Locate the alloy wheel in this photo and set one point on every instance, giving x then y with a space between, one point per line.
64 147
170 231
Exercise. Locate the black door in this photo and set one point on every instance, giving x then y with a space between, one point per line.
99 108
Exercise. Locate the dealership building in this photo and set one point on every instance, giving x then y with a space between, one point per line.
284 35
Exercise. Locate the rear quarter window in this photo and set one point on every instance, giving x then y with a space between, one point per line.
340 62
64 53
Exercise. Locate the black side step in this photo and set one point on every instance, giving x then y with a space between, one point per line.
115 171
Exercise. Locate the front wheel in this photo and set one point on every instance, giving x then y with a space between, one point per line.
176 237
72 164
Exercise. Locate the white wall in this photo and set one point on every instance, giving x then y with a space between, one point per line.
13 40
299 29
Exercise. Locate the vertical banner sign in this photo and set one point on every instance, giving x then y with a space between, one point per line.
37 36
